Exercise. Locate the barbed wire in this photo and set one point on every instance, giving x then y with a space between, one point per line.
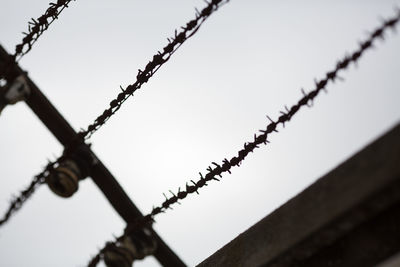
215 170
37 26
17 202
142 77
154 65
35 29
39 179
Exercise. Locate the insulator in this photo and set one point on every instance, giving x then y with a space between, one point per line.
121 255
63 180
145 242
135 246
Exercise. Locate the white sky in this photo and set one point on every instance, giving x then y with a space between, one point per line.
248 60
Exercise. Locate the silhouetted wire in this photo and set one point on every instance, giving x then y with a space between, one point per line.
17 202
142 77
154 65
215 171
35 29
38 26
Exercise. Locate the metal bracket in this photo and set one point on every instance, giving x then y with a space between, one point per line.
17 91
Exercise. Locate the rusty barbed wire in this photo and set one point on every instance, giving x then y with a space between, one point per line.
35 30
36 27
142 77
215 170
154 65
39 179
17 202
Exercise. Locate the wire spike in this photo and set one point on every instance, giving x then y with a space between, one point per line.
270 119
216 164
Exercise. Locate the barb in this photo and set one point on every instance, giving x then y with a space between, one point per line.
38 26
17 202
215 171
154 65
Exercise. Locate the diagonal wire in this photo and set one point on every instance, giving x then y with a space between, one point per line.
35 29
142 77
17 202
154 65
38 26
215 171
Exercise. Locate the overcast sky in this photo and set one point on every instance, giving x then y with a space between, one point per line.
248 60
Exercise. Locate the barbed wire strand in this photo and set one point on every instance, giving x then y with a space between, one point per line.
142 77
37 27
154 65
17 202
215 171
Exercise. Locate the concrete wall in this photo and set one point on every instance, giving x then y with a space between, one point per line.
349 217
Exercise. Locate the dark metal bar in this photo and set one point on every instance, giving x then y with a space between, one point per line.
103 178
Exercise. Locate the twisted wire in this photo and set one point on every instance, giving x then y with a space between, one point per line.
142 77
39 179
215 171
154 65
36 27
17 202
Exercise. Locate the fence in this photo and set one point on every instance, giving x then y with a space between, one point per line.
344 63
